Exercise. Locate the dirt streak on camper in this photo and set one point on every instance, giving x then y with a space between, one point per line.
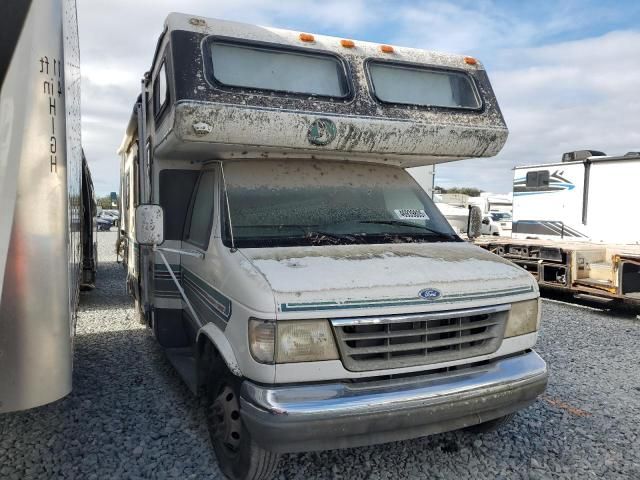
296 275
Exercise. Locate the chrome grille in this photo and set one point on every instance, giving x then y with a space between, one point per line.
376 343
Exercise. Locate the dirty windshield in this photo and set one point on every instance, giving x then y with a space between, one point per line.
307 202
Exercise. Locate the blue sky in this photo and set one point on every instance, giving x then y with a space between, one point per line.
566 73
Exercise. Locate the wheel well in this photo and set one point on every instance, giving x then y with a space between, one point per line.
208 359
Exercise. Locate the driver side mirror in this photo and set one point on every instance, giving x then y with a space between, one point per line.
149 224
475 222
485 221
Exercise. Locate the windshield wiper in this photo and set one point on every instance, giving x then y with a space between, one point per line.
317 236
409 224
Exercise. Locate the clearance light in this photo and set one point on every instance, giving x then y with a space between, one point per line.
306 37
347 43
386 48
470 61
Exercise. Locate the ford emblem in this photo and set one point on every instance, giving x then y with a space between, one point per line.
429 293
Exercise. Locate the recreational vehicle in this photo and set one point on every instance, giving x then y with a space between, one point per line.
575 227
297 277
47 236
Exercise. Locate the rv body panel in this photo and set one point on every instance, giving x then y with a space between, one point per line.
41 179
551 208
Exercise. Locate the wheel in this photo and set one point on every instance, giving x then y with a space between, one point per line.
491 425
240 458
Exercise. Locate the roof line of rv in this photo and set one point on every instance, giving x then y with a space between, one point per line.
594 159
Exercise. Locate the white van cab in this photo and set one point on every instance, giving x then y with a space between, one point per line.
296 275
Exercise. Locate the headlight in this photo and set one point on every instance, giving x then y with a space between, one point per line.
524 317
289 341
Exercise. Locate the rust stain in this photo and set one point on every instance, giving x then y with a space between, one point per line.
578 412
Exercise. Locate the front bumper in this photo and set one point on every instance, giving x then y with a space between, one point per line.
340 415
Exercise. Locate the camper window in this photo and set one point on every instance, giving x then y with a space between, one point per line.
278 69
413 85
537 179
201 218
160 91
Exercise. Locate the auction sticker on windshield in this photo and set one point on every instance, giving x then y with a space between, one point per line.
411 214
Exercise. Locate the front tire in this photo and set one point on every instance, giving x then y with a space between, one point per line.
239 457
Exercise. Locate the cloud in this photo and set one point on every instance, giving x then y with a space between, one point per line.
556 95
557 98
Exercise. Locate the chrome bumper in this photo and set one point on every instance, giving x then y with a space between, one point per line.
340 415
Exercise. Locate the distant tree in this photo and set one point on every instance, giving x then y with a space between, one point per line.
471 191
104 202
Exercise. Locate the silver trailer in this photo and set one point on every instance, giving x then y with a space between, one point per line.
47 199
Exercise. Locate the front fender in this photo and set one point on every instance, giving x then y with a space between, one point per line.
220 341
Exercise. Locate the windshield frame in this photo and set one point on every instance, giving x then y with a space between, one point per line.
312 236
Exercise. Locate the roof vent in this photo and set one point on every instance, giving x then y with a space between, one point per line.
580 155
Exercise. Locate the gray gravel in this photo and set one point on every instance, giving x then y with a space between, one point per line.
130 416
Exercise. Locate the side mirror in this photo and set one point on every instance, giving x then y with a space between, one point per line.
149 224
485 221
475 222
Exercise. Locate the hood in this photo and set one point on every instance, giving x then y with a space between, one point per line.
405 276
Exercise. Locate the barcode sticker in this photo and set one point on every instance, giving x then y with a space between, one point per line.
411 214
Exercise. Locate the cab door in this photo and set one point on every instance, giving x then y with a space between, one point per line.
199 279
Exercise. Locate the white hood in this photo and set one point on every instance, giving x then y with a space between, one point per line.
356 277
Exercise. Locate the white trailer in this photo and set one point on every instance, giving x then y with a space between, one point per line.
575 224
47 237
298 278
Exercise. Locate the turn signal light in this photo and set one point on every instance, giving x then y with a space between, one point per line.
306 37
386 48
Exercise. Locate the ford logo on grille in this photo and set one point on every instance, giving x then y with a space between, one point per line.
429 293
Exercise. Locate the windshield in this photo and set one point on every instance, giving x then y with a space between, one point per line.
500 217
306 202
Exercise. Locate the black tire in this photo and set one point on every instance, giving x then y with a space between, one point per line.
491 425
239 457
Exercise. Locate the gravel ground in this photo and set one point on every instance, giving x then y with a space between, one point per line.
130 416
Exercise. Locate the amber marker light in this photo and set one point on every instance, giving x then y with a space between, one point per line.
470 61
306 37
386 48
347 43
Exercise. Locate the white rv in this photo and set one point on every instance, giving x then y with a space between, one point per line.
575 227
295 274
47 238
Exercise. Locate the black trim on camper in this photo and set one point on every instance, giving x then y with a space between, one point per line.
344 72
428 68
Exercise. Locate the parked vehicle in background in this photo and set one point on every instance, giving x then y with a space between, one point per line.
297 277
104 224
574 225
497 224
47 241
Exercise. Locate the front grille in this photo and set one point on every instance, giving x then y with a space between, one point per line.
376 343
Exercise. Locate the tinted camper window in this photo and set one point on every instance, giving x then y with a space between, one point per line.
278 69
398 83
539 178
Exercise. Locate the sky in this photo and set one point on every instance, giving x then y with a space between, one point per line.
566 73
